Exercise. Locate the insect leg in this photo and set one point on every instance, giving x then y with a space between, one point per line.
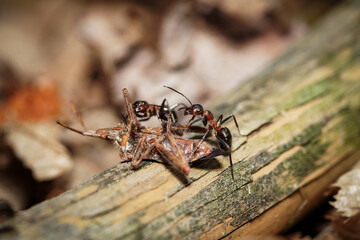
201 141
164 109
142 150
220 119
144 119
133 121
227 118
89 133
192 121
86 131
228 150
73 108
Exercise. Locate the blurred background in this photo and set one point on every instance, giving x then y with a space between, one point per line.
53 52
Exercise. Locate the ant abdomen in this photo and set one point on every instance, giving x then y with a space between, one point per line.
225 139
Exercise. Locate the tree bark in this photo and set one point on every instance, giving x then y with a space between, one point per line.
301 118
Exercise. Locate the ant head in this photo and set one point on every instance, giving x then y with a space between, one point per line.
140 108
225 139
195 110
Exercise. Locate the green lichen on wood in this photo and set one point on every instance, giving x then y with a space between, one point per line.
215 203
243 199
309 93
351 123
263 158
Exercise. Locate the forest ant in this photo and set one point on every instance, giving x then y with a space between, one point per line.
145 111
222 134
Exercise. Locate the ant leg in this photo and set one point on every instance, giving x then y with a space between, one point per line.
201 141
165 104
236 124
220 119
228 150
192 121
174 117
224 120
144 119
231 166
192 118
164 110
227 118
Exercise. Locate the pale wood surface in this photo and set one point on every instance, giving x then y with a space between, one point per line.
302 121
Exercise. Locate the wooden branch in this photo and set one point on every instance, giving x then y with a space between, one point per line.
302 121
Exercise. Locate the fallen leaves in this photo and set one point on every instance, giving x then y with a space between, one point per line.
32 103
37 147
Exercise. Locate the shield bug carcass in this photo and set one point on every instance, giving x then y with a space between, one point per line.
136 143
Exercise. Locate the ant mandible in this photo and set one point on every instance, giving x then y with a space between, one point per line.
222 134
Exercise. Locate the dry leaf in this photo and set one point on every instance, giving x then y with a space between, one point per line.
33 103
37 147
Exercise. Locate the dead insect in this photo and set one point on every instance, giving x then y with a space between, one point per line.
222 134
137 143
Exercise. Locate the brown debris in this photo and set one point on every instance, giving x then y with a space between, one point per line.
345 228
34 103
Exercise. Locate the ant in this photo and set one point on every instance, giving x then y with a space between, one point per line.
145 111
222 134
137 143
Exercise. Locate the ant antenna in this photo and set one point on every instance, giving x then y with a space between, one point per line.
179 93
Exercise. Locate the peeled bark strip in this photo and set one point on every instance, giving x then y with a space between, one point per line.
302 121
